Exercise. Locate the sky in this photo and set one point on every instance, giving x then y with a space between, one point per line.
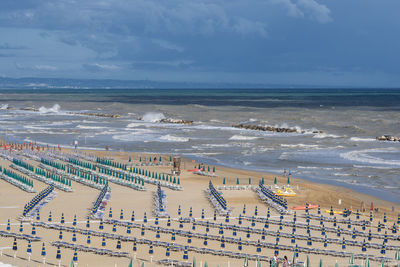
310 42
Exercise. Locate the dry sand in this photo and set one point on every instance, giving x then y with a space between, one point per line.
12 200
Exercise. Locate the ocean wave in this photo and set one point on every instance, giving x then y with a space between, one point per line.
325 135
363 156
89 127
300 146
243 138
153 117
54 109
361 139
172 138
373 167
3 106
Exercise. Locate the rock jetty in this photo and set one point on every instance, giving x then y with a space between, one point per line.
271 128
388 138
104 115
176 121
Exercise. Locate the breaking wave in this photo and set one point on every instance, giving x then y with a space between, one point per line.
3 106
243 137
153 117
54 109
360 139
172 138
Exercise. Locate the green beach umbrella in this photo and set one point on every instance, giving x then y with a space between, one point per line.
246 262
194 262
205 264
275 181
223 182
142 264
294 257
288 180
308 261
320 263
237 180
72 264
336 264
351 261
131 263
258 262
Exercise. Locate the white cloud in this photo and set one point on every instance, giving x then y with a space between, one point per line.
244 27
306 8
45 67
100 67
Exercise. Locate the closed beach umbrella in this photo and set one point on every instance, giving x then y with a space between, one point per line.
75 258
43 253
58 255
8 225
308 262
29 248
33 230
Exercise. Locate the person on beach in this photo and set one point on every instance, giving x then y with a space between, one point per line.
286 262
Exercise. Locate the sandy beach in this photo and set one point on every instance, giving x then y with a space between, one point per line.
12 200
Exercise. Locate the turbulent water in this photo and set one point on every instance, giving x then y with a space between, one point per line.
345 154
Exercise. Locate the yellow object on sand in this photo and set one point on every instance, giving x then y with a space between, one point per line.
287 193
334 212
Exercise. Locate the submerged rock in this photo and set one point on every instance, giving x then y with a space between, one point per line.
388 138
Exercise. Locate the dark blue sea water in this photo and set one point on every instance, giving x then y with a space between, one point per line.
346 153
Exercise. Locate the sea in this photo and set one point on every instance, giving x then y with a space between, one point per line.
345 153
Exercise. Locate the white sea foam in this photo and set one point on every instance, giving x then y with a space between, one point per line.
325 135
153 117
373 167
360 139
243 137
363 156
172 138
300 146
54 109
3 106
89 127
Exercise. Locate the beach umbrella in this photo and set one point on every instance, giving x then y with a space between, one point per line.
88 241
21 228
87 223
134 245
131 263
320 263
74 236
8 225
101 225
15 247
246 262
205 240
351 260
145 217
258 246
62 219
151 251
275 181
58 255
244 209
173 236
110 213
294 256
74 221
118 244
121 216
43 253
169 221
240 244
367 262
344 244
194 262
128 229
103 241
75 258
114 229
38 216
308 262
133 216
50 217
60 236
237 180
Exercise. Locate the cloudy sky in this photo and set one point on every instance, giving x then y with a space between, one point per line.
324 42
